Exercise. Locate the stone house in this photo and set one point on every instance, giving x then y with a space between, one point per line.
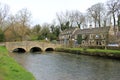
98 36
67 35
91 36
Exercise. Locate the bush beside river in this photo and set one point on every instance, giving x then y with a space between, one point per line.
92 52
10 69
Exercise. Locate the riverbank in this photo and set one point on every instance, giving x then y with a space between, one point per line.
92 52
10 69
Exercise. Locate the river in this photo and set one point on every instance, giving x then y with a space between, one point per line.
65 66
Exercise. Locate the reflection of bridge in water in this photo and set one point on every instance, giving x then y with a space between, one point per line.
30 46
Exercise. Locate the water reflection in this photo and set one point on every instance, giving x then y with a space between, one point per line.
64 66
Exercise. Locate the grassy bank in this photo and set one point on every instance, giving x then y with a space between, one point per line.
10 69
93 52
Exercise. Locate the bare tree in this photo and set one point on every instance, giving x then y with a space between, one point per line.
77 18
23 18
113 8
70 19
96 12
4 10
101 10
93 15
119 22
60 20
11 32
12 25
64 20
18 25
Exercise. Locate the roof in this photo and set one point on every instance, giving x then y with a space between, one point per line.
93 30
68 31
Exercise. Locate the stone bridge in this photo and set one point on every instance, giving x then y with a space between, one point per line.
30 46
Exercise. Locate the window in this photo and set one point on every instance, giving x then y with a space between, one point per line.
84 36
104 36
83 42
91 36
97 36
75 36
103 42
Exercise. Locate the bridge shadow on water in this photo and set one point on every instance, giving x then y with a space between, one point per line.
34 50
19 50
49 49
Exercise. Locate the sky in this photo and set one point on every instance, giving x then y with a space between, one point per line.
44 11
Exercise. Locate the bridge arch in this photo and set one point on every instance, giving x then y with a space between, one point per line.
49 49
19 50
35 49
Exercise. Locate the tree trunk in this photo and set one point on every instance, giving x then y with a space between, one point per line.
104 23
99 22
119 22
114 21
79 25
95 23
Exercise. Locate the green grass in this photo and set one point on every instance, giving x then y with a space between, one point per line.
104 51
92 50
10 69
